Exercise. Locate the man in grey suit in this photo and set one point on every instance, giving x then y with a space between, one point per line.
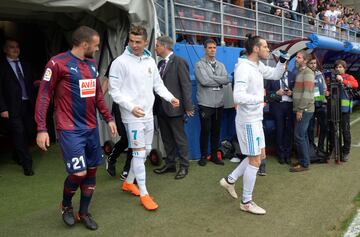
175 73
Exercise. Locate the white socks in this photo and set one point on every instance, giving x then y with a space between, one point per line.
238 171
137 168
249 179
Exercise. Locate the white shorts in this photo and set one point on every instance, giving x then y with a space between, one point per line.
251 138
140 135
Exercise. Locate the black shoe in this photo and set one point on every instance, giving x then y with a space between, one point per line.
202 161
345 158
28 172
110 168
287 161
217 161
87 220
281 161
165 169
298 168
68 215
124 175
182 173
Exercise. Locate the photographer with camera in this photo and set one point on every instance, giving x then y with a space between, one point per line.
348 83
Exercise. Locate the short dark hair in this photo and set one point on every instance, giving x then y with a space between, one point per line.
209 41
340 62
312 57
10 39
138 30
251 42
83 34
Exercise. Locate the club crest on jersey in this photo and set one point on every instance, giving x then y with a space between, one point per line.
87 87
149 71
94 69
47 74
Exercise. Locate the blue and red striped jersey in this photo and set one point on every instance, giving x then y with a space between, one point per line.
77 93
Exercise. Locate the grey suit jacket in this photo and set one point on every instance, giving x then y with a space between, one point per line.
177 80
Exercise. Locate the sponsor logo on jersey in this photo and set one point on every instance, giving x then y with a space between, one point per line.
87 87
47 74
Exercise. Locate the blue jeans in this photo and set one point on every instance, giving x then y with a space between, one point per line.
302 140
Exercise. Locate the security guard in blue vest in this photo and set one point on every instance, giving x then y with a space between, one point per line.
320 91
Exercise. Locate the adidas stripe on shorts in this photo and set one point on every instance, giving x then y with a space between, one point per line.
251 137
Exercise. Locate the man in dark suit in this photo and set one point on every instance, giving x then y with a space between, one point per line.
17 102
175 73
281 106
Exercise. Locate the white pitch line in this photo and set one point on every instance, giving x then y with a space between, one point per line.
354 228
355 121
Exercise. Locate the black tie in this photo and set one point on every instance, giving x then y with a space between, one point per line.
162 67
21 80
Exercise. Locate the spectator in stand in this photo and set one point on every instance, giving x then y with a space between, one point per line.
294 8
344 23
320 15
312 4
333 13
310 18
239 3
326 26
278 12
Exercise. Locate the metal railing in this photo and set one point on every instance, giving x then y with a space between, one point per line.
216 18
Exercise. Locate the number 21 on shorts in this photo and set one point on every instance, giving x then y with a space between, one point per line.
78 162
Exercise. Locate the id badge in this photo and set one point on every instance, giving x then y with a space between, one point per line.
316 92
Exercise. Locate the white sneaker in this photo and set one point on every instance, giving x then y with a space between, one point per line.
252 208
235 160
229 187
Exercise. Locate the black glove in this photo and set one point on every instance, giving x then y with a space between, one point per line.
283 56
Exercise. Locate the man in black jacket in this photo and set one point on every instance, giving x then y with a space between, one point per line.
17 102
175 73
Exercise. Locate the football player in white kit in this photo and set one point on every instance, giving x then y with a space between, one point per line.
249 77
133 78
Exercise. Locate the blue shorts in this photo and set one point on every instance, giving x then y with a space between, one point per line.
81 149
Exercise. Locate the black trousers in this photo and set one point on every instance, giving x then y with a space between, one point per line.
210 120
283 115
174 139
320 115
345 128
123 143
22 131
